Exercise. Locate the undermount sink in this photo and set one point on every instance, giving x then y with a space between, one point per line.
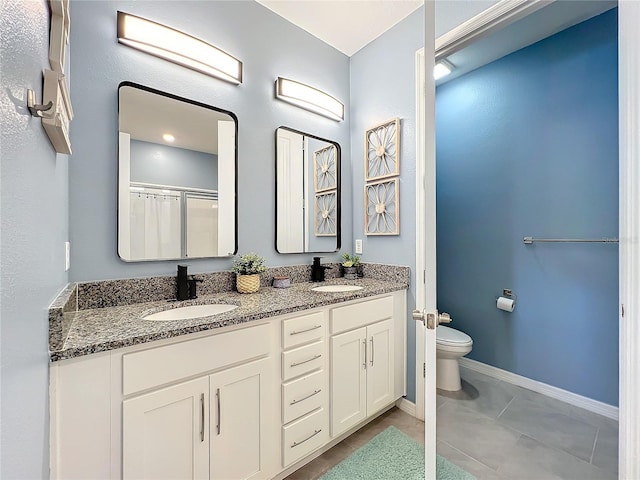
337 288
193 311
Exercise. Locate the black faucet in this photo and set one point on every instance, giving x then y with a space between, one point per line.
186 285
317 270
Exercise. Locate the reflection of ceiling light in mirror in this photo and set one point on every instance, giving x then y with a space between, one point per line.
442 69
167 137
178 47
309 98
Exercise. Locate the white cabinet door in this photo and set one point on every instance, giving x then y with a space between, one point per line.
348 380
164 434
380 366
239 421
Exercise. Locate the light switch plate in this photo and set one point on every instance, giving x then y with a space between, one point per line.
67 256
358 246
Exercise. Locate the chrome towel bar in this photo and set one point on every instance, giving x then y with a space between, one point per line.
530 240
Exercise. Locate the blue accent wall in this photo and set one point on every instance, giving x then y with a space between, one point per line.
177 167
528 146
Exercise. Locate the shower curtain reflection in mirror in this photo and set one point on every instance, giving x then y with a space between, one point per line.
155 223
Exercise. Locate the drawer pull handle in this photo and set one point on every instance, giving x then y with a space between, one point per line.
295 444
202 417
298 332
293 402
307 361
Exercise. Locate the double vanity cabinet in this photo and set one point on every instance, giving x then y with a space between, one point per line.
254 400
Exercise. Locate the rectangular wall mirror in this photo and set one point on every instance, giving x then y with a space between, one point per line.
177 187
307 193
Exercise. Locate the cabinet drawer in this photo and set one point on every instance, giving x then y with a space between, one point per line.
299 330
354 316
304 436
162 365
302 360
302 396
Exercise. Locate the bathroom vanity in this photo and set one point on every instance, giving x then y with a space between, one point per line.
255 392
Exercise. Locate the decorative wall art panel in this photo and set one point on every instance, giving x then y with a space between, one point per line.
324 171
326 214
382 215
382 151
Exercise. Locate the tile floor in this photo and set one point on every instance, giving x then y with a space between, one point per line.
496 430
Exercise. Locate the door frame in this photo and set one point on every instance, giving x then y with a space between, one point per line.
629 212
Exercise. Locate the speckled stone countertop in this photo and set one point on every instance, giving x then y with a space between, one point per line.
102 329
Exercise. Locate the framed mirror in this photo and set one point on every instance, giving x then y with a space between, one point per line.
177 185
307 193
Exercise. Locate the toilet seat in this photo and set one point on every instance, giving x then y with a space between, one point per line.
451 337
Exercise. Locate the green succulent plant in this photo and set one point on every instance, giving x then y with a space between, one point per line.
249 264
350 260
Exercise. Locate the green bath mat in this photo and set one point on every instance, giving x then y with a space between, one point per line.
392 455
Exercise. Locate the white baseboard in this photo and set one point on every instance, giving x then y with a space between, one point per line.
550 391
406 406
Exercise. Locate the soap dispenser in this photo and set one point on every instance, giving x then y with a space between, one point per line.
317 270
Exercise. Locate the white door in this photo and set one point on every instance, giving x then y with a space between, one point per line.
380 366
426 238
238 428
164 434
290 197
348 380
226 187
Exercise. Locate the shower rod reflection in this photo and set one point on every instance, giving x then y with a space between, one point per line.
530 240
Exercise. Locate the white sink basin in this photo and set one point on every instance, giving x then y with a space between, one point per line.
193 311
337 288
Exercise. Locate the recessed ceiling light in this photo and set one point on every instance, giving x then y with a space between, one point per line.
167 137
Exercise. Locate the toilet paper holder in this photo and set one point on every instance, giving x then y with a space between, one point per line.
507 301
506 292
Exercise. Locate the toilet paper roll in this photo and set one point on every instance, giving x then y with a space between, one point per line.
506 304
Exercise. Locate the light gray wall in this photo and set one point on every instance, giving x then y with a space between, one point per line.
268 46
33 213
377 95
177 167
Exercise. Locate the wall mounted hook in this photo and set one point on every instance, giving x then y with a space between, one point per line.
37 110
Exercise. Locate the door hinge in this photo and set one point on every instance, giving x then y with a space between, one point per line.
424 370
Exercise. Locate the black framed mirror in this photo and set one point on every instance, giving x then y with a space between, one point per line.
307 193
177 185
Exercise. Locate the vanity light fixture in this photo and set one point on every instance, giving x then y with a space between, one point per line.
309 98
167 137
178 47
442 69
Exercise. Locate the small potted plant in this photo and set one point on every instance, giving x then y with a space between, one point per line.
248 268
350 266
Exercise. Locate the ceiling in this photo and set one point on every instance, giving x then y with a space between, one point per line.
547 21
347 25
194 127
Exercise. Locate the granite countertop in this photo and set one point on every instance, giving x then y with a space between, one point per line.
103 329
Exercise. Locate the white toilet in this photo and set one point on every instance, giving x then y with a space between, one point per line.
451 344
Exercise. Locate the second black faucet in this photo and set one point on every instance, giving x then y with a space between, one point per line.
186 285
317 270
